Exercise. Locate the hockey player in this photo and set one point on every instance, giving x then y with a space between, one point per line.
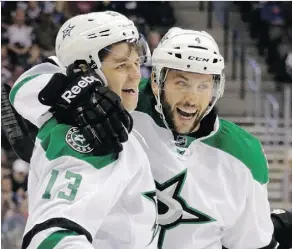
210 174
78 199
211 177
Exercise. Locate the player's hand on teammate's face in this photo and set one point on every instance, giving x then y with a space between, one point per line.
81 99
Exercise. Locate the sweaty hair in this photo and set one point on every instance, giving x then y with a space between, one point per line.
103 53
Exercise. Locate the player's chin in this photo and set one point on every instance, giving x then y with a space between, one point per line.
183 127
130 104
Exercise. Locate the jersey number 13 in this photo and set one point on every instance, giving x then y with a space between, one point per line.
71 186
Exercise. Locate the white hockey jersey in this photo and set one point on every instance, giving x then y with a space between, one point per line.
77 200
212 190
213 194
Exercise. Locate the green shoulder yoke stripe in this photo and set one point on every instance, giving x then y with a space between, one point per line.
245 147
53 141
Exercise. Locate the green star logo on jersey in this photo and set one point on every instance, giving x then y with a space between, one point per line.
151 195
173 209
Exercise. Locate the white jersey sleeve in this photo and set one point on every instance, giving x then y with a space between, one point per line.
251 226
26 90
254 227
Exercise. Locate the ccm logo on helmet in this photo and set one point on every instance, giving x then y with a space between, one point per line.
75 90
194 58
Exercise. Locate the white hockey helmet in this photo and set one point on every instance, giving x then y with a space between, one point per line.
83 36
190 51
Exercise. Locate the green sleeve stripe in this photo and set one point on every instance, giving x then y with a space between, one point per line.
52 240
15 89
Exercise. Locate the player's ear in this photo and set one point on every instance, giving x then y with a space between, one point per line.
154 85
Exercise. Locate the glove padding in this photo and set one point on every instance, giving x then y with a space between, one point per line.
81 99
282 221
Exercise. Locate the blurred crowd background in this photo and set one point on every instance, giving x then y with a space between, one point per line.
270 25
28 31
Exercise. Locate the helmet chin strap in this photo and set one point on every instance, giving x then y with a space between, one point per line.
176 141
209 108
158 108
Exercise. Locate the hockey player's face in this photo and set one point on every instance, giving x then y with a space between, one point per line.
121 67
185 97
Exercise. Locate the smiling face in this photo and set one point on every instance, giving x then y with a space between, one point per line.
185 97
121 67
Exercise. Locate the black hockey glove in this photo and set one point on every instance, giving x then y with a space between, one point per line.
282 221
81 99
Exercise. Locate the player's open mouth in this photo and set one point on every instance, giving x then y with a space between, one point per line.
131 91
186 115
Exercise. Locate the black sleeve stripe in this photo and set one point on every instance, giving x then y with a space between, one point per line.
54 222
51 61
